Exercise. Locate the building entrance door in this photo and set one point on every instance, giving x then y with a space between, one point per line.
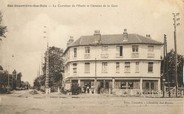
104 86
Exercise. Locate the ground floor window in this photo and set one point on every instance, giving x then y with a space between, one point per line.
127 84
150 85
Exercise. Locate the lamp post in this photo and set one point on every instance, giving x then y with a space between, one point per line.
176 23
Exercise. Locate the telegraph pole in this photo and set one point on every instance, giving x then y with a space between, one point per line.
166 66
47 88
176 19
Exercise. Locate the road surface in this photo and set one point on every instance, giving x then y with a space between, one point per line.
22 102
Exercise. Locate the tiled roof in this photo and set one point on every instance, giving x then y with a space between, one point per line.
115 39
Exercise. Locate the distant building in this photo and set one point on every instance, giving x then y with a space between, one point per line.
106 63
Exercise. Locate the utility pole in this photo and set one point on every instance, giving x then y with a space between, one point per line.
164 69
166 66
176 19
8 78
47 88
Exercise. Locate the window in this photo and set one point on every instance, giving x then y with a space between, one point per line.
74 67
117 67
119 50
150 48
127 67
137 67
87 68
87 53
123 85
135 48
104 53
87 50
150 66
147 85
150 52
152 85
104 67
104 48
75 52
130 84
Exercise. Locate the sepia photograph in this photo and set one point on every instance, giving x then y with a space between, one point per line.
91 57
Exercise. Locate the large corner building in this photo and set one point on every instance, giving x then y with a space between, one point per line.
108 63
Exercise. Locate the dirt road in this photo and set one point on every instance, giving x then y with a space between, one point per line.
24 103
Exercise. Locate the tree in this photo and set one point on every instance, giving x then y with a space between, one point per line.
3 29
18 80
39 82
55 69
170 60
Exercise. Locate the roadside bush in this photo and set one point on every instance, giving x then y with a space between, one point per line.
75 89
33 92
3 90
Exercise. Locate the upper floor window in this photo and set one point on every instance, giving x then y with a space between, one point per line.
127 67
137 67
150 48
74 67
87 68
87 50
117 67
104 48
75 52
104 53
135 48
104 67
150 66
119 50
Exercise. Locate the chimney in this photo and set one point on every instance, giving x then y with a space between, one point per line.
125 35
97 36
148 36
70 41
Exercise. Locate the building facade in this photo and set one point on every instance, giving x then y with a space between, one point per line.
109 63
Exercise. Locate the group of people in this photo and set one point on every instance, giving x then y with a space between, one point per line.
88 89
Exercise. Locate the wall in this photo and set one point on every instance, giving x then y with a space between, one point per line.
96 52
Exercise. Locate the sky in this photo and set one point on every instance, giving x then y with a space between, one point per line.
26 25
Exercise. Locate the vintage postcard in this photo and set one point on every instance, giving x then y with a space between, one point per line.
91 56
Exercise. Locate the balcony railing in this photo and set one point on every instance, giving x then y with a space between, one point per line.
150 55
87 56
104 55
135 55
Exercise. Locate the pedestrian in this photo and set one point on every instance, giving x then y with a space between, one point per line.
87 89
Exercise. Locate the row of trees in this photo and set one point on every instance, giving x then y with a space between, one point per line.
11 81
170 68
55 70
